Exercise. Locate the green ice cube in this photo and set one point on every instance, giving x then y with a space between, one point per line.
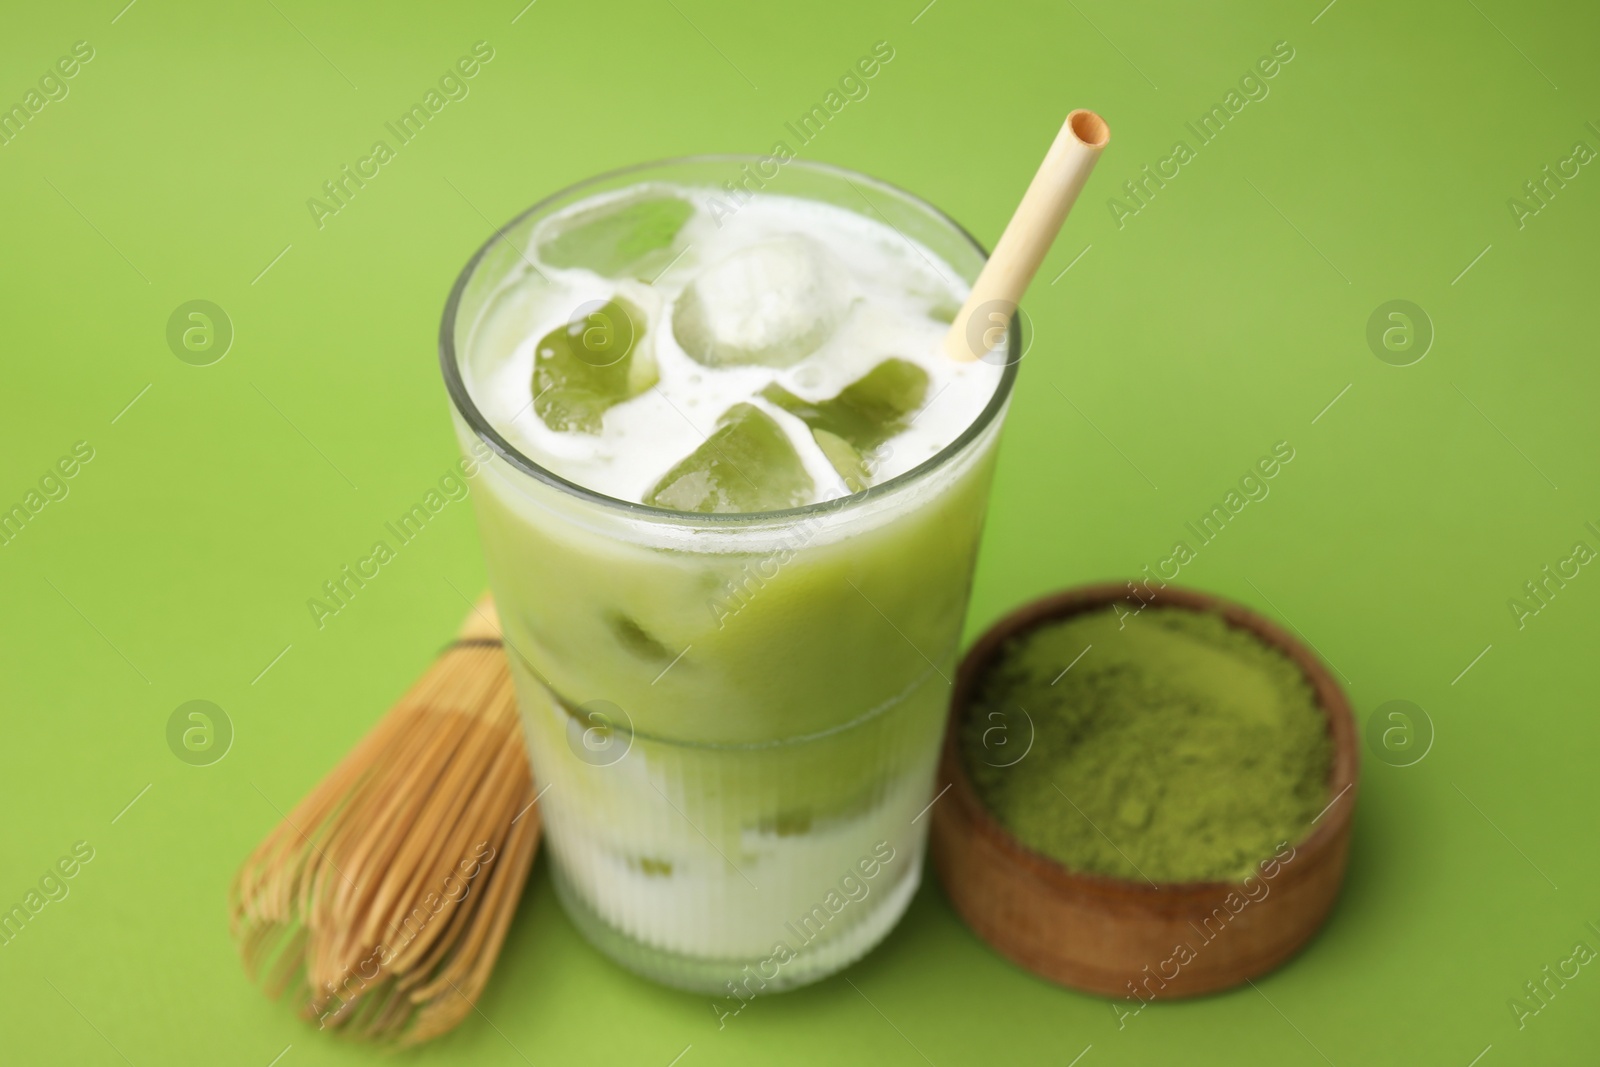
845 459
584 366
868 411
631 236
635 638
746 465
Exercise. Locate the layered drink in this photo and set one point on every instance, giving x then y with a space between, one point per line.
730 522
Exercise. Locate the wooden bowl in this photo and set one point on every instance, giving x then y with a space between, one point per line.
1123 938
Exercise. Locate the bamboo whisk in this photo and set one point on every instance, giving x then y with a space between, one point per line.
383 898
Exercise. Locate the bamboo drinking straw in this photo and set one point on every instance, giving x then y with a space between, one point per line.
383 898
1028 236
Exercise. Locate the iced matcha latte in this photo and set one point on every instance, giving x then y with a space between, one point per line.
730 524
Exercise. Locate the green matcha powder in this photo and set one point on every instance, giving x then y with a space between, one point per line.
1176 749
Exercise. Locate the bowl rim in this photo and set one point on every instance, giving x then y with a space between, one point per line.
1344 767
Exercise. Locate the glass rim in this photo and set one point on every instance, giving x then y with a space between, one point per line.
464 405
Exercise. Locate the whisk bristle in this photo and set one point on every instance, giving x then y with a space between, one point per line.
382 900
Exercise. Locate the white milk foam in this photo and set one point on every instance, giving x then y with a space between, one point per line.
895 284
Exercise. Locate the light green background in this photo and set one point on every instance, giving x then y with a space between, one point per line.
1222 318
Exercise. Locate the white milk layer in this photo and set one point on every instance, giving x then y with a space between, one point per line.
901 295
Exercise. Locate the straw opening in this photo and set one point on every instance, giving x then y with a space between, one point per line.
1089 128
